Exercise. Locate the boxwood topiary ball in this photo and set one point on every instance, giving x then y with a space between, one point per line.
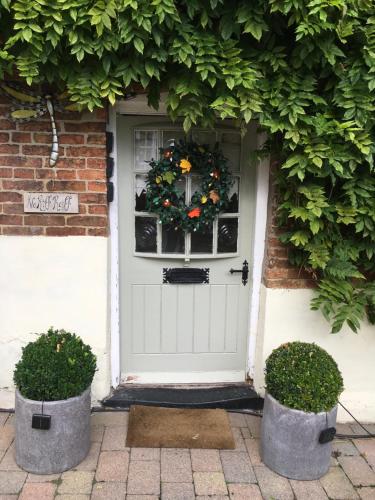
303 376
58 365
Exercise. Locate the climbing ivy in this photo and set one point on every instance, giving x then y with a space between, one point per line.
304 69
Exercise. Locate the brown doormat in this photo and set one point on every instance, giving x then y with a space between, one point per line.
154 427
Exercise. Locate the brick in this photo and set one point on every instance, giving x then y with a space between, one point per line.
253 449
108 418
6 173
21 137
175 466
237 467
66 174
42 478
97 231
90 198
22 231
9 149
24 173
337 485
20 161
10 220
44 220
308 490
23 185
71 139
145 454
92 220
65 231
98 209
366 447
76 482
144 478
205 461
244 492
177 491
91 461
109 491
272 485
357 470
88 174
72 497
97 186
71 163
96 163
85 127
8 462
6 436
114 438
237 419
33 491
238 439
6 125
85 151
346 448
4 137
113 466
37 126
209 483
43 138
10 196
366 493
66 186
45 173
97 432
11 482
96 139
36 150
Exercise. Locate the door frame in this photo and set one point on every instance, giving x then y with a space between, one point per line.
139 106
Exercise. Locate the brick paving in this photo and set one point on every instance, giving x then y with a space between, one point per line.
111 471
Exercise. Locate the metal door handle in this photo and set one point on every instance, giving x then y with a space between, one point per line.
244 271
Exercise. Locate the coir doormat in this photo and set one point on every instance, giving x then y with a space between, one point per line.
154 427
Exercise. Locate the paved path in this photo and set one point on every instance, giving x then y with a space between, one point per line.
113 472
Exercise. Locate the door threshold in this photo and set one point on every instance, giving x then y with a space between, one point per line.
229 396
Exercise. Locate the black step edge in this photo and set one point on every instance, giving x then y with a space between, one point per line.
240 396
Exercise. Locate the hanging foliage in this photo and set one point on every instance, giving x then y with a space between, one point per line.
166 193
304 69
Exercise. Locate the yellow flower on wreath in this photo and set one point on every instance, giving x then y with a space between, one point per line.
185 166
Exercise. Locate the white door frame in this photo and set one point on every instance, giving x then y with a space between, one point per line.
138 106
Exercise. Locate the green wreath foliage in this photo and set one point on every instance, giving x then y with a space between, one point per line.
166 199
304 69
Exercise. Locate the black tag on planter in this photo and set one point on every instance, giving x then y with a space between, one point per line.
41 422
327 435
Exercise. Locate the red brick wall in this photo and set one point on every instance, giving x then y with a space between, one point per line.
277 271
24 166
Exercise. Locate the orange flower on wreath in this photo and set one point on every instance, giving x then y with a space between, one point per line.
195 212
185 166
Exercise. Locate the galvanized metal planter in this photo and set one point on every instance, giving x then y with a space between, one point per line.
64 445
290 440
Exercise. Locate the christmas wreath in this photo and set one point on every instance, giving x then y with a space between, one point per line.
167 200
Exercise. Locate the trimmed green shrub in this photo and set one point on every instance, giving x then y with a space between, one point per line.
58 365
303 376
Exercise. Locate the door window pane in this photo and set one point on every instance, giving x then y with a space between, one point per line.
231 147
173 240
171 137
201 241
140 193
227 235
145 234
233 206
145 148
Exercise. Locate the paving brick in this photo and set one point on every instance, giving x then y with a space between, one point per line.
114 438
254 424
357 429
175 466
97 432
358 471
344 447
238 439
76 482
142 497
8 461
212 497
109 491
6 436
209 483
272 485
308 490
245 432
144 478
33 491
8 497
237 419
110 418
206 461
11 482
91 461
366 493
344 429
253 449
72 497
113 466
3 418
366 447
337 485
237 467
244 492
42 478
145 454
177 491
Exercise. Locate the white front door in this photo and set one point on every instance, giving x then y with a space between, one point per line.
182 332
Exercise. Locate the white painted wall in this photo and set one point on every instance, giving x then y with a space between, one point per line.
53 281
285 315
